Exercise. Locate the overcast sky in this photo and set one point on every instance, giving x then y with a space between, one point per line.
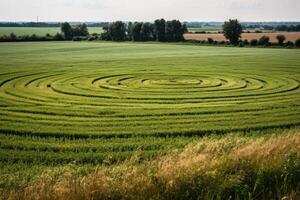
148 10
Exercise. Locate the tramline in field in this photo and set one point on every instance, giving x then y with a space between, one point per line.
109 102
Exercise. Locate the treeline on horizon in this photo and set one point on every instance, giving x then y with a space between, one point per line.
280 27
160 30
47 24
275 26
169 31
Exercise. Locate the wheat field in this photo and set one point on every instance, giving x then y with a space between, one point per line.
98 103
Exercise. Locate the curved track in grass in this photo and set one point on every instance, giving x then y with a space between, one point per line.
144 103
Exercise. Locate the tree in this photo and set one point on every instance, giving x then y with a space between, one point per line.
144 31
117 31
136 31
76 31
81 30
280 39
174 31
129 30
169 31
84 30
184 28
105 34
232 30
67 30
264 41
160 29
147 32
253 42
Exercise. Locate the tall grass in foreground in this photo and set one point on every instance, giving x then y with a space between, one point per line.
215 167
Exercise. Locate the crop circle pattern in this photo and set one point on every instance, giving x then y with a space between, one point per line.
103 104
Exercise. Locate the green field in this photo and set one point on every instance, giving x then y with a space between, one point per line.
100 102
19 31
206 29
39 31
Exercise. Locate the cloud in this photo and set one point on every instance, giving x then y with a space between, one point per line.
85 3
148 10
243 4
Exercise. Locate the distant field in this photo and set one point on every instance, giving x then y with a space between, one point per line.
93 103
290 36
206 29
216 29
52 31
39 31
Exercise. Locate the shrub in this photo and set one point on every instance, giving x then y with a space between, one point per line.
264 41
58 37
253 42
210 40
24 38
105 36
13 37
4 38
79 38
241 44
95 35
193 41
246 42
200 32
297 43
92 38
33 37
280 39
43 38
289 44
